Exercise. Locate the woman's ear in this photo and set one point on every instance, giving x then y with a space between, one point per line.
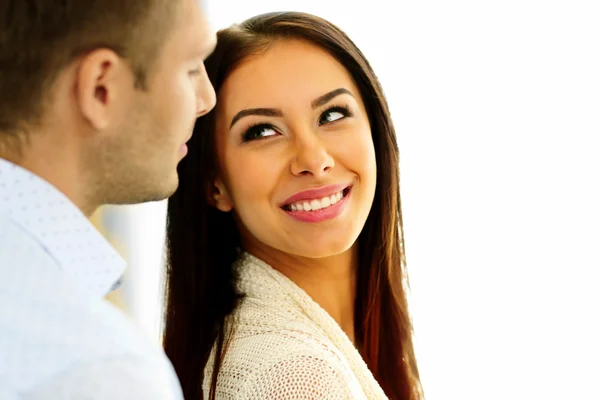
219 197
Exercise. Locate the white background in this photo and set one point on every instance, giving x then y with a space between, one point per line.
497 109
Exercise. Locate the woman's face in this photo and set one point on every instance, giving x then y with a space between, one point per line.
296 157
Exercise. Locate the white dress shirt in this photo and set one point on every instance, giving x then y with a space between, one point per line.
59 338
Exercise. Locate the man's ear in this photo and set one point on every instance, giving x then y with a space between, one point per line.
104 84
218 196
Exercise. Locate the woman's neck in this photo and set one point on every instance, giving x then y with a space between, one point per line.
330 281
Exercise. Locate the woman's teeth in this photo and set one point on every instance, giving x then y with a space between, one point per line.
314 205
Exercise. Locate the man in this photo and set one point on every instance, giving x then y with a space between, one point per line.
97 101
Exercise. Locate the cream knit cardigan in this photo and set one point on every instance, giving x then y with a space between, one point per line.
285 346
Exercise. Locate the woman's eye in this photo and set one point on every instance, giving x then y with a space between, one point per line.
332 115
259 132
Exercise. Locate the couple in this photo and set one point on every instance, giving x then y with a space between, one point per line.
285 273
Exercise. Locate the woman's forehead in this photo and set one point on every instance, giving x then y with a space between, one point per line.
291 70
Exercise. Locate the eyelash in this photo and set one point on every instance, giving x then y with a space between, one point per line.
341 108
258 127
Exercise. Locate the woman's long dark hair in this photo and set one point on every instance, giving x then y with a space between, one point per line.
202 241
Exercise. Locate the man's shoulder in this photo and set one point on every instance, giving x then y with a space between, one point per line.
59 341
113 378
50 325
42 336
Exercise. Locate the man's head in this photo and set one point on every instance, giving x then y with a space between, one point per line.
113 86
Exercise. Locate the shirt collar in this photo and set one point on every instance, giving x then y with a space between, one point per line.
60 227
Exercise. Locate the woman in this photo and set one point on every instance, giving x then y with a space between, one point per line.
285 247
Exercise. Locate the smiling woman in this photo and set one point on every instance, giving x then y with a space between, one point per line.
286 265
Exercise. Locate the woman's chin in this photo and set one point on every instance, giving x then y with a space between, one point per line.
322 250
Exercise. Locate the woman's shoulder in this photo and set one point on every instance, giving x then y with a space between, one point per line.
285 363
273 341
267 329
254 312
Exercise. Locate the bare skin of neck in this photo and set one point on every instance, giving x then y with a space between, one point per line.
331 281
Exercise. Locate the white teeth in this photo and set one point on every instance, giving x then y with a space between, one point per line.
314 205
